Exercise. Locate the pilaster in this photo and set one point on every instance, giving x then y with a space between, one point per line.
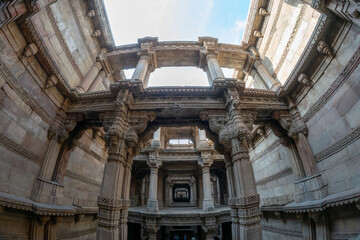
234 134
266 76
206 162
153 163
312 186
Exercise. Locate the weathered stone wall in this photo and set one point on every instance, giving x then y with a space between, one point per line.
329 105
27 109
275 170
286 34
84 172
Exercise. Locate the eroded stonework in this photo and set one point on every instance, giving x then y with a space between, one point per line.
270 153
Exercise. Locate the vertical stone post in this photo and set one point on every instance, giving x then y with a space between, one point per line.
214 69
206 162
113 201
155 143
266 76
141 69
297 130
45 190
210 228
151 228
311 187
233 131
259 82
152 204
245 201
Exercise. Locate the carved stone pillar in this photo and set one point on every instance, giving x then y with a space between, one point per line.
155 143
311 187
297 130
258 81
208 202
151 228
152 204
266 76
214 70
121 136
45 190
141 70
210 228
90 77
234 132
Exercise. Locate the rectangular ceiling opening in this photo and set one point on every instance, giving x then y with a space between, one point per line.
178 77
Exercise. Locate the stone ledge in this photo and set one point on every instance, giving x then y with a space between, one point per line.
333 200
11 201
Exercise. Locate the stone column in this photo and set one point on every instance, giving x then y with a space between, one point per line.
258 81
90 77
141 70
208 202
45 190
113 201
151 228
229 177
311 187
266 76
214 70
210 228
155 143
152 204
245 202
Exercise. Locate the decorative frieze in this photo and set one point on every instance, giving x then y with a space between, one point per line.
336 84
76 176
284 173
282 231
338 146
244 201
76 234
18 149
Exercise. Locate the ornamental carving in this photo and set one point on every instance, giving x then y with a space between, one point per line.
324 48
30 50
304 79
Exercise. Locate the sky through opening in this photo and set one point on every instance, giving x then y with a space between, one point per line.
177 20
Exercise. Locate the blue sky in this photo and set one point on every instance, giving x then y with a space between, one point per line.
176 20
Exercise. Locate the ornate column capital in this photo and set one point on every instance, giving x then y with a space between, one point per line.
154 161
146 51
